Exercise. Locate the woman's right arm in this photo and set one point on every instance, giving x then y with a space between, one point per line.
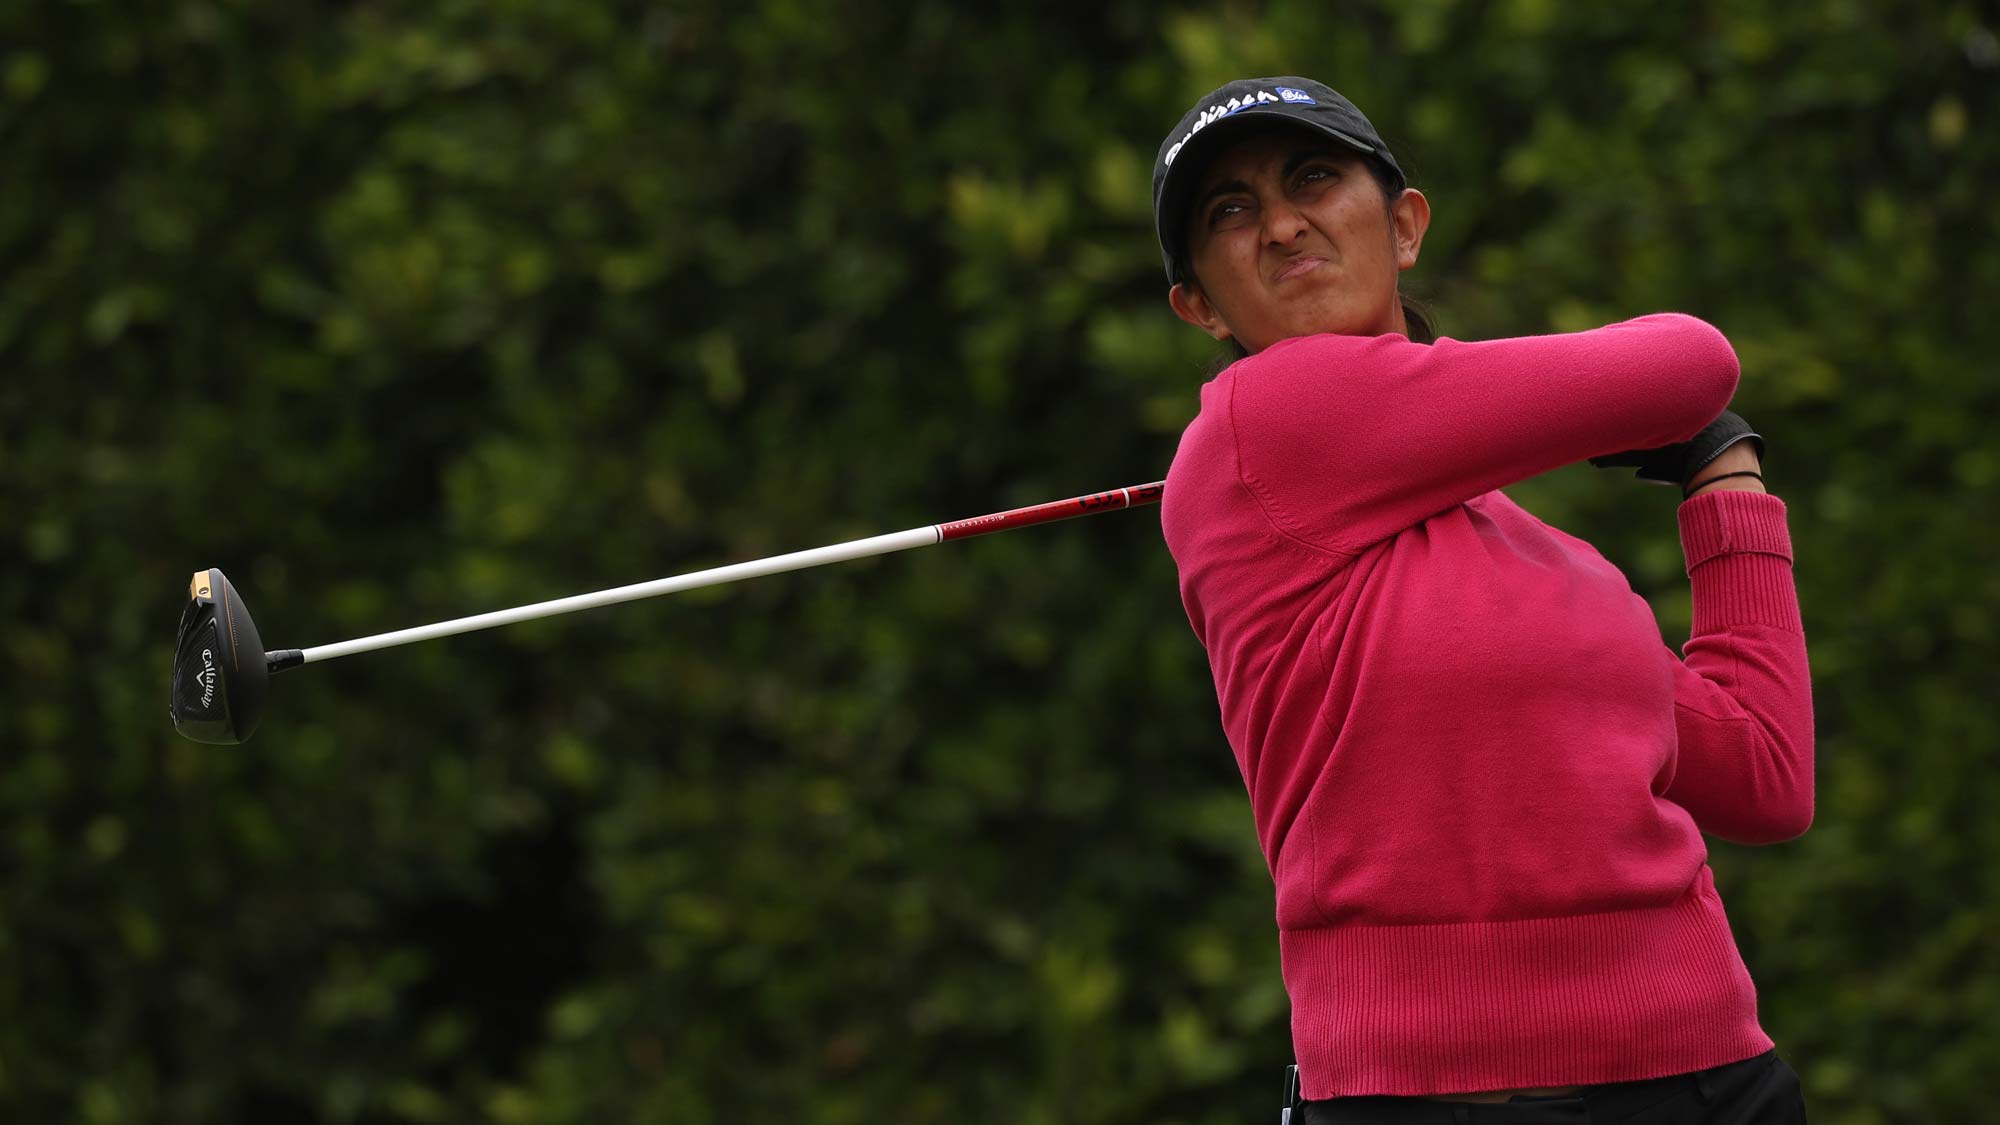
1347 440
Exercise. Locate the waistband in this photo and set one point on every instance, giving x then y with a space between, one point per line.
1605 1102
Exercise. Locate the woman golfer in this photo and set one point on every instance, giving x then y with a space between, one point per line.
1479 777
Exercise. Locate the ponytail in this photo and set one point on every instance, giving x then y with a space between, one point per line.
1417 318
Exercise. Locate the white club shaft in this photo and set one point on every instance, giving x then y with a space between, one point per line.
717 576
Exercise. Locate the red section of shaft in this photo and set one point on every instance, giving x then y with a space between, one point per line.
1054 510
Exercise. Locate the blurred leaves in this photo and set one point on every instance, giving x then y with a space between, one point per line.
402 313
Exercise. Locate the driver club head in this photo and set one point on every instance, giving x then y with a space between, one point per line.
220 673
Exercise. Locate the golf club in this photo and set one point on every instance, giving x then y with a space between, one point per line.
221 669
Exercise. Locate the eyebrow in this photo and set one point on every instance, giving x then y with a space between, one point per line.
1292 164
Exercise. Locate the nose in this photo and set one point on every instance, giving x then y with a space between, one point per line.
1283 223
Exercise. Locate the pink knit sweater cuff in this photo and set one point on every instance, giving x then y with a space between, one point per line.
1723 522
1739 561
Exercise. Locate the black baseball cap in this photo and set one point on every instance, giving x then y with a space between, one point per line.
1225 115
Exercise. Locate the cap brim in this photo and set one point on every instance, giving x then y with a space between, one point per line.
1184 174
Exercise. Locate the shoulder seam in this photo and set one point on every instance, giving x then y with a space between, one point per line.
1266 503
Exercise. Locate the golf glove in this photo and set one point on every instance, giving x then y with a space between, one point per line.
1676 464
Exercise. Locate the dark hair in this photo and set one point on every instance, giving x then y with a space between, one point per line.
1417 315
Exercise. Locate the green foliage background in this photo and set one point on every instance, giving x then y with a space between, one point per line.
398 312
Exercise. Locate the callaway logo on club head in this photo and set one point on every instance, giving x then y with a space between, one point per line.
1218 112
207 679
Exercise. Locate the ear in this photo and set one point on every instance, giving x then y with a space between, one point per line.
1411 213
1193 306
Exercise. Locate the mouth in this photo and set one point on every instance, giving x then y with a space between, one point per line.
1303 264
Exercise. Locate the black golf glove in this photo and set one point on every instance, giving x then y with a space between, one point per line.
1678 463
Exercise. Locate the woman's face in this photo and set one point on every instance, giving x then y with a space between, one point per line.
1289 235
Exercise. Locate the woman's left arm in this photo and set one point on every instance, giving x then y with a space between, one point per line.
1743 692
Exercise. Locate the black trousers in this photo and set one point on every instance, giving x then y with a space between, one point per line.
1759 1091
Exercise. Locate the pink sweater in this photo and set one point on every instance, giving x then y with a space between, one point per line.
1479 776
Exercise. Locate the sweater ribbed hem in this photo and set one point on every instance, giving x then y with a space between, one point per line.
1456 1008
1739 562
